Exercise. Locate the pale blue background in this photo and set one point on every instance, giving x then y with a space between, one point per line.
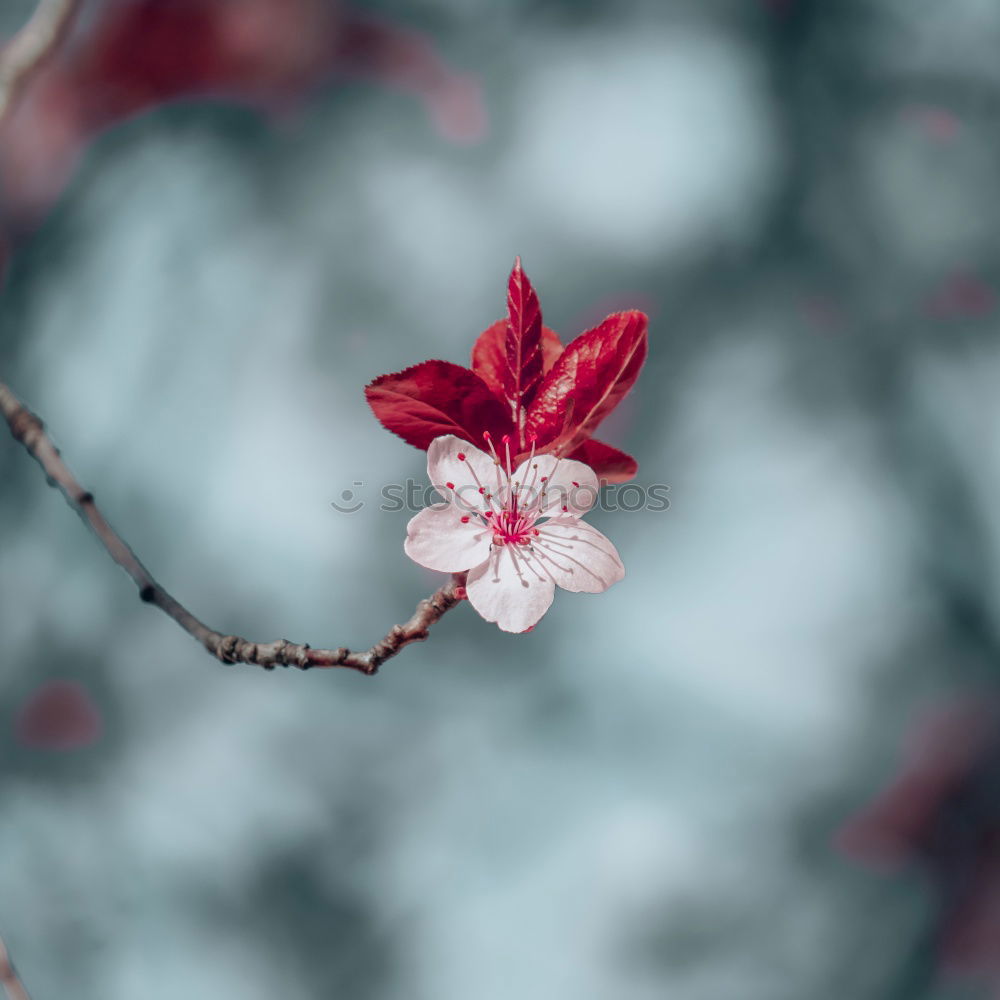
637 800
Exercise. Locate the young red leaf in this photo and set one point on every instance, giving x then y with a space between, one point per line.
588 381
610 464
489 354
435 398
523 344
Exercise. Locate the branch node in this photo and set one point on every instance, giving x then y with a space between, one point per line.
26 427
288 654
147 594
226 649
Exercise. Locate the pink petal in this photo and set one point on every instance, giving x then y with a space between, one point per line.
568 484
509 589
577 556
437 538
459 479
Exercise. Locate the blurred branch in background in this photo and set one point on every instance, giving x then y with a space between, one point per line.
12 985
30 432
270 56
36 41
939 815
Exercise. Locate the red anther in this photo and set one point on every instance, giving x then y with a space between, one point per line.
536 532
488 513
482 489
450 486
575 483
486 435
461 456
465 519
565 507
544 478
532 437
506 439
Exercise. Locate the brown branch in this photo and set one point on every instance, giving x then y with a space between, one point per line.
32 45
30 432
12 986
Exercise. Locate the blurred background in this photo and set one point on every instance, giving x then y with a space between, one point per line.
766 766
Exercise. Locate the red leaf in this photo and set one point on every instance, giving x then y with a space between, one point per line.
489 354
435 398
523 346
588 381
610 464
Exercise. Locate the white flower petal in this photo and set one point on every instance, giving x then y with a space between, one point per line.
459 479
571 488
577 556
510 589
438 539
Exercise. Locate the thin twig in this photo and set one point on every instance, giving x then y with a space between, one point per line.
30 432
32 45
12 986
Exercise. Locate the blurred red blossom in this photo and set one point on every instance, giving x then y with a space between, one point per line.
938 124
60 715
941 815
822 312
267 54
961 295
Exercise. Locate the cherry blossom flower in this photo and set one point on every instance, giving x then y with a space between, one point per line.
517 532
